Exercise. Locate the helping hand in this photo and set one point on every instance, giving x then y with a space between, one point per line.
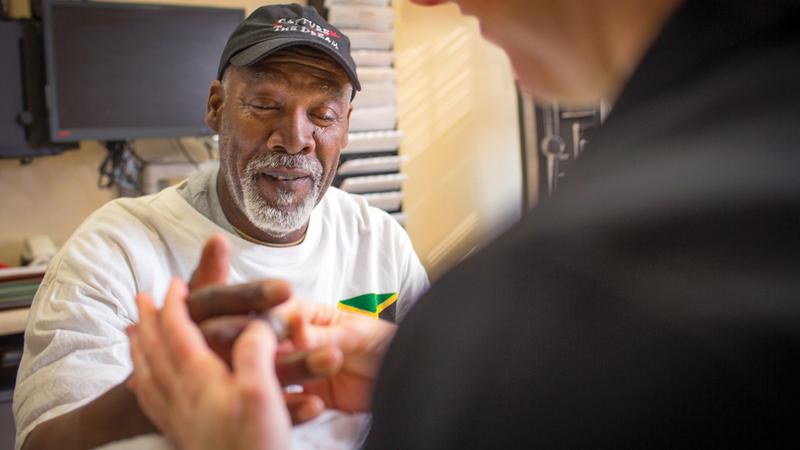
192 395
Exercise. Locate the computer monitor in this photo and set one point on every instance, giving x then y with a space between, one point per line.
12 133
23 122
118 71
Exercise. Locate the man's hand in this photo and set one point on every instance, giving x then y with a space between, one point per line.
362 340
319 337
210 298
192 395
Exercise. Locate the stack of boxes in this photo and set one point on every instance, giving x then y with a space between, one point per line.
370 165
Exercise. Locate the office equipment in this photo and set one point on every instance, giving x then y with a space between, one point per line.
119 71
23 120
18 285
553 138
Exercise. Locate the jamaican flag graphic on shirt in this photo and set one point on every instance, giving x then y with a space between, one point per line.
382 306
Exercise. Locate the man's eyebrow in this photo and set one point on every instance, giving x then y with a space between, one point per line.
329 85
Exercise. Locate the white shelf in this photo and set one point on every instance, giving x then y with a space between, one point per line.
373 141
375 95
372 58
373 119
377 74
362 17
371 165
387 201
329 3
369 39
372 183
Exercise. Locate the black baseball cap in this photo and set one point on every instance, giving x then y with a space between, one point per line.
274 27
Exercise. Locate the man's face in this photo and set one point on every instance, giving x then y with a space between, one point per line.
282 124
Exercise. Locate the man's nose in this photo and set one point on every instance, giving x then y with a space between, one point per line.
293 134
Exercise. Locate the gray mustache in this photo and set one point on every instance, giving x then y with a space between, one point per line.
284 160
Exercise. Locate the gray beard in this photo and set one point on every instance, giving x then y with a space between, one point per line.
285 215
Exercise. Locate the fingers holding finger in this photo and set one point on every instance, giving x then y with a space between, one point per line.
303 407
221 332
214 301
302 367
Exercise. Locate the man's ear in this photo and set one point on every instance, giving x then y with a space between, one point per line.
216 96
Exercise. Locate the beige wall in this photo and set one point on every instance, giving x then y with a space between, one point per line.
458 113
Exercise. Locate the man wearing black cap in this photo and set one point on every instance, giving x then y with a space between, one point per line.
281 106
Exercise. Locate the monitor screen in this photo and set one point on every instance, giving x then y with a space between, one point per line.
120 71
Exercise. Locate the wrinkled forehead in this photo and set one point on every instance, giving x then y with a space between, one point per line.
298 60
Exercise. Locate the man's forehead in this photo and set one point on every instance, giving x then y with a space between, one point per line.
314 62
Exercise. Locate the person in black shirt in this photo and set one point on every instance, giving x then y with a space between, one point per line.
654 302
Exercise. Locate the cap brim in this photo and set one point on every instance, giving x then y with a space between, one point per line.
259 51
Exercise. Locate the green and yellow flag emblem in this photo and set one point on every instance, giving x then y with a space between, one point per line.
380 306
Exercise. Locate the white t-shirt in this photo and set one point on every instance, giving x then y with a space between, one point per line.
75 342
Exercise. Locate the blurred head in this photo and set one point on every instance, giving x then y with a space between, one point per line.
282 123
575 51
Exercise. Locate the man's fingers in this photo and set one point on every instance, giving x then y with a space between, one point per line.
214 263
303 407
302 367
221 333
181 336
259 296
